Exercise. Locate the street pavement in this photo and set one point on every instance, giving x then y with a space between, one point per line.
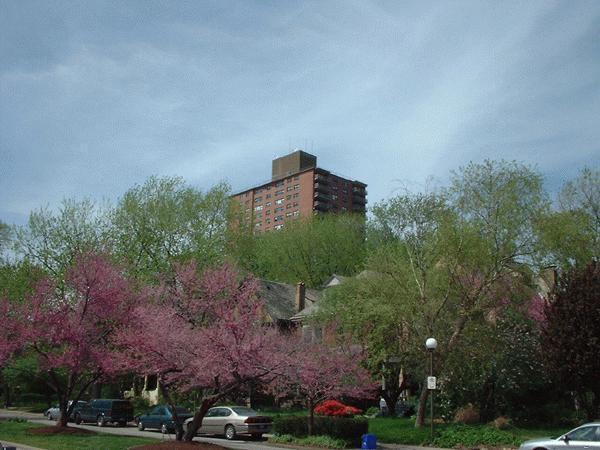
131 430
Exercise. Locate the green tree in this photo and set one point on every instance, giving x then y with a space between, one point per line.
52 240
309 250
570 235
165 221
571 335
5 238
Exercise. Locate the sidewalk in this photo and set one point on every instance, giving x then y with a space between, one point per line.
12 445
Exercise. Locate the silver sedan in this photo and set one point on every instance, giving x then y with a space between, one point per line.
581 438
233 420
53 413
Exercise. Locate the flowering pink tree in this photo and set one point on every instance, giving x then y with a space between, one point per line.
71 330
203 332
317 372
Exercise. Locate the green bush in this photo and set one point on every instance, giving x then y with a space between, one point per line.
474 435
312 441
346 428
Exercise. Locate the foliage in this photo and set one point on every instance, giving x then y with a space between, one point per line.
316 372
570 236
53 240
309 441
336 409
71 330
214 341
5 238
308 250
350 429
571 335
472 436
20 432
165 221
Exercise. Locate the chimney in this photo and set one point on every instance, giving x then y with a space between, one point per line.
300 297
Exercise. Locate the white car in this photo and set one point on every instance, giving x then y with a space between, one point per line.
53 413
233 420
584 437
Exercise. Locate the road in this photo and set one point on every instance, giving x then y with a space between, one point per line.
131 430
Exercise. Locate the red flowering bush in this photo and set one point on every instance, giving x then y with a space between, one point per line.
335 408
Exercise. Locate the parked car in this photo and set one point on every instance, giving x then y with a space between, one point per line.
53 413
584 437
161 417
103 411
233 420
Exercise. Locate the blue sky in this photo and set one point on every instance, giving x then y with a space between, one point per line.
97 96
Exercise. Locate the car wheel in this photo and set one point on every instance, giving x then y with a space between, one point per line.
100 421
164 429
77 419
229 432
141 426
49 416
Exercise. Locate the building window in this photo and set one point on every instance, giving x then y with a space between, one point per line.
295 204
258 200
268 203
279 192
290 188
296 187
267 229
288 197
279 202
296 213
344 191
334 197
257 224
278 209
288 206
258 208
247 194
288 214
279 219
278 227
268 212
259 215
268 195
296 178
247 210
268 221
296 195
279 184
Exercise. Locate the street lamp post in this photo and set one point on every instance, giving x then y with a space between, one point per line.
431 345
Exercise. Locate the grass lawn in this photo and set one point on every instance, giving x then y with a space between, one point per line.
17 432
402 431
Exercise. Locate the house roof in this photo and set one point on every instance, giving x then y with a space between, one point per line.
280 298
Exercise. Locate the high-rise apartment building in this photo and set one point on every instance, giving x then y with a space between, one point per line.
298 188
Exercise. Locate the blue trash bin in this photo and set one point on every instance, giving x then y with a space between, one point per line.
369 441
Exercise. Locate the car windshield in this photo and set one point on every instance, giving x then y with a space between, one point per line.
242 411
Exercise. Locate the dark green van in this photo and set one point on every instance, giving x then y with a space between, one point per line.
103 411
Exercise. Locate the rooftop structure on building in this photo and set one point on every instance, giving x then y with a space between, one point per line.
298 188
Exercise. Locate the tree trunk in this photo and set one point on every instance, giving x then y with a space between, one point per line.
178 425
63 417
311 417
6 394
420 422
195 424
391 398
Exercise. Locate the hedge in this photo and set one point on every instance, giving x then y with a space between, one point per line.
347 428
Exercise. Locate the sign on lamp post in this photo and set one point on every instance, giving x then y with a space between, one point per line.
431 345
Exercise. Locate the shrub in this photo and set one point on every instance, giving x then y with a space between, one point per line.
472 436
346 428
502 423
312 441
468 414
337 409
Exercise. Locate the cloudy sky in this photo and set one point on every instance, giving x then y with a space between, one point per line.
96 96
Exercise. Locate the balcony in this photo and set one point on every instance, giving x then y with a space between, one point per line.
321 196
358 199
322 179
322 206
320 186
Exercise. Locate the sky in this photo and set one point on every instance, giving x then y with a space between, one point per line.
96 96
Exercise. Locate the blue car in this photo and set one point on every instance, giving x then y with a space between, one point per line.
161 418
